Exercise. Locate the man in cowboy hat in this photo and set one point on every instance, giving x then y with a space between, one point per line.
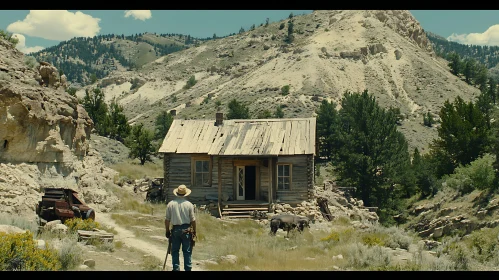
180 214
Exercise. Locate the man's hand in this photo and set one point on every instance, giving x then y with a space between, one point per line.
168 234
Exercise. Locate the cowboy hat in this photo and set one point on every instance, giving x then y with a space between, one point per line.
182 190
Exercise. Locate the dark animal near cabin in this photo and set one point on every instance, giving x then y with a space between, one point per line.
288 222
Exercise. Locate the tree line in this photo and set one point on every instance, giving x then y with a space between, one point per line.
110 121
486 55
368 154
89 52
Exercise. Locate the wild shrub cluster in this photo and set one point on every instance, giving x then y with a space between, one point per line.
76 224
19 251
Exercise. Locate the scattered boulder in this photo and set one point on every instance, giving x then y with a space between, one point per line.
89 263
11 229
398 54
231 259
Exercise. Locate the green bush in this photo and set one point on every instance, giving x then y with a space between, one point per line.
70 254
19 251
372 240
285 90
30 61
191 82
479 174
76 224
333 236
8 36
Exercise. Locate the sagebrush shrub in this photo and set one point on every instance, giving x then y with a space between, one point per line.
76 224
30 61
69 252
19 251
372 240
479 174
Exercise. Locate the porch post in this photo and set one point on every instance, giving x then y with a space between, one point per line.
219 181
269 192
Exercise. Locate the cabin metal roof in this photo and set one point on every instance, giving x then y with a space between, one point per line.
293 136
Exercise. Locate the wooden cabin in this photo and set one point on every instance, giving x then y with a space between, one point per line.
245 163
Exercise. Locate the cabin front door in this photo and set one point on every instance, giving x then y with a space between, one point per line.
240 183
246 182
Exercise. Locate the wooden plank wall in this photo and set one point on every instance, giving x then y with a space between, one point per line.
227 176
166 177
300 181
264 182
177 171
311 175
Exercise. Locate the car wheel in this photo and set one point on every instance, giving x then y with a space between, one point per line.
90 214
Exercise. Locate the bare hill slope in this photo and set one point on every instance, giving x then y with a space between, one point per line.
385 52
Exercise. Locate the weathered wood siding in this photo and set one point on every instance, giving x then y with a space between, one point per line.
227 177
177 171
300 182
264 182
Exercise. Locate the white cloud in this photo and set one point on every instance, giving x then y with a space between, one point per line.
139 14
490 37
21 45
56 25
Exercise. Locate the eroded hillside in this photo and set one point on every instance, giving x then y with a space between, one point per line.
385 52
44 138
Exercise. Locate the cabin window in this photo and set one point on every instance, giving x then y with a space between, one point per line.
283 176
201 173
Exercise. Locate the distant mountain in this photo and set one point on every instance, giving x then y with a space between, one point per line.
83 60
294 64
487 55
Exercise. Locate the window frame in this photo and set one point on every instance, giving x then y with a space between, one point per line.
290 176
195 159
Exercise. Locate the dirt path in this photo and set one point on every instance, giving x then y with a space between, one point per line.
128 237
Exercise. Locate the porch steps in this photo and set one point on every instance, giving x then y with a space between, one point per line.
242 211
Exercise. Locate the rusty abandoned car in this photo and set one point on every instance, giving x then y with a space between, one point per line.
62 204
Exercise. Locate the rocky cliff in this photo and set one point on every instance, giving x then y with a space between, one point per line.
44 137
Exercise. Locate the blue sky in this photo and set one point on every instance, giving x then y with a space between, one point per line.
37 29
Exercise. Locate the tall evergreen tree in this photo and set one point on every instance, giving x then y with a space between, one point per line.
463 133
117 123
163 123
140 143
455 63
492 90
327 124
469 70
96 107
372 156
481 77
423 170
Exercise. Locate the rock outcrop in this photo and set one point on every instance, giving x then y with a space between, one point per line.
44 138
49 76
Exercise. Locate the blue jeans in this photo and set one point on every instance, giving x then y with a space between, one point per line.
181 239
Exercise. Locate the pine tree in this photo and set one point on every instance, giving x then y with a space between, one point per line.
237 110
140 143
327 123
94 104
163 122
279 114
463 135
372 155
118 127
